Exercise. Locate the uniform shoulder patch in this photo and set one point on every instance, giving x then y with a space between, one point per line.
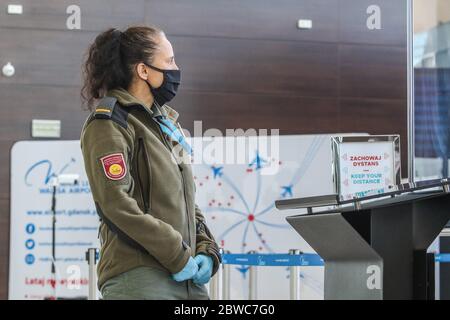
105 108
114 166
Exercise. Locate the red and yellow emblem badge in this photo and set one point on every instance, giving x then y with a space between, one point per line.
114 166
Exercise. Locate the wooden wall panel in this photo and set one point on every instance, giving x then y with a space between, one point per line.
358 113
44 57
372 72
53 58
290 114
96 15
244 65
259 66
26 102
250 19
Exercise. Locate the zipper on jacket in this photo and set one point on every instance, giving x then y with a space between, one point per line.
182 181
185 201
147 165
145 201
188 224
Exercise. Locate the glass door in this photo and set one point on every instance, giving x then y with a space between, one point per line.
431 69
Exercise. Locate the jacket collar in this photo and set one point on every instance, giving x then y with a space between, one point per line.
170 113
126 99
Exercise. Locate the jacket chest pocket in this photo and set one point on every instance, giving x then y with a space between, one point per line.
143 175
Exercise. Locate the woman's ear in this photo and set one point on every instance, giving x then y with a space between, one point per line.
142 71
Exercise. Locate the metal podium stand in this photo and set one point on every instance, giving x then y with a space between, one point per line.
375 247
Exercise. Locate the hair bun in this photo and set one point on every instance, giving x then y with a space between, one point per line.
117 34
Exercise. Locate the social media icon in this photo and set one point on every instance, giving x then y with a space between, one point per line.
30 228
29 259
29 244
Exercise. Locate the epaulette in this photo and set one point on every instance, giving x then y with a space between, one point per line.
110 109
105 108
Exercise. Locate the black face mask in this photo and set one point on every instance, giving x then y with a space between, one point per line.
168 88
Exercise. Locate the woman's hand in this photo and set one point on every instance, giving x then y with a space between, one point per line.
205 265
188 272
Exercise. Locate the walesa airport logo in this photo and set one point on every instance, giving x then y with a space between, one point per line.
41 173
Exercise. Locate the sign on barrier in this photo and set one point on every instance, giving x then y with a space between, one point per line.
273 260
288 260
442 258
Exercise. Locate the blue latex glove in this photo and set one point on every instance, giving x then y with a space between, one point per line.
205 267
188 272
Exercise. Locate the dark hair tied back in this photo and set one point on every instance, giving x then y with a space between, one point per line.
110 60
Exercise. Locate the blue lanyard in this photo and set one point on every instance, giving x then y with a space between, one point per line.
174 133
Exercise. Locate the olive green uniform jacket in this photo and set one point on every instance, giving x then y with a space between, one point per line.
144 197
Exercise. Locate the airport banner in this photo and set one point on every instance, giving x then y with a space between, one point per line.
33 167
237 199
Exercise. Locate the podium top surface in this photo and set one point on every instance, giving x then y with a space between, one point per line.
388 201
396 195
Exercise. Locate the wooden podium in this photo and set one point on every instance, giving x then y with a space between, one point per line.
376 247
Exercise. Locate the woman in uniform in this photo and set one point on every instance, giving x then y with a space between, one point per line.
154 240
